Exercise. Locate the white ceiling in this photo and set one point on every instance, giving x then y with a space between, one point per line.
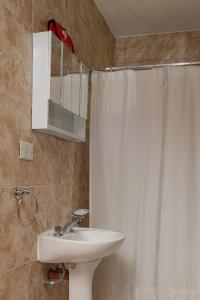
135 17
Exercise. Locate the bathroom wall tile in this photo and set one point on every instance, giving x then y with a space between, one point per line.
16 59
85 163
47 160
99 52
96 26
179 46
16 13
44 10
15 245
71 201
160 48
89 33
106 47
13 171
16 64
192 45
56 206
93 50
108 50
171 47
85 195
99 40
85 203
79 48
71 158
14 284
18 115
77 25
44 199
37 172
131 50
67 16
8 151
38 291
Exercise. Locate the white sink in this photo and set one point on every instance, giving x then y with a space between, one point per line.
83 245
83 250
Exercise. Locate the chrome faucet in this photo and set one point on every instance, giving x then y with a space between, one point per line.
67 228
77 217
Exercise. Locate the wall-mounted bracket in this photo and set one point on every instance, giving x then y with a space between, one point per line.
19 193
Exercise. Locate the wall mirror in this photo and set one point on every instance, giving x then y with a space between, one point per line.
56 69
60 80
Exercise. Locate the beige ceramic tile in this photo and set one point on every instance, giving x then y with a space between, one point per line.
99 52
67 16
16 63
192 50
85 164
85 196
86 26
108 49
77 25
85 203
131 50
14 284
44 10
38 291
15 244
170 47
56 207
13 171
18 15
80 47
71 201
173 47
150 49
71 157
44 199
96 26
46 167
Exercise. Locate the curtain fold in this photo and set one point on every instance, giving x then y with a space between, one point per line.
179 266
144 175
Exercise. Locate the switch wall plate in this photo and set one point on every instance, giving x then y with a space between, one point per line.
26 150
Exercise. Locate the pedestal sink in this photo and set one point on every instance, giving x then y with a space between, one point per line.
83 250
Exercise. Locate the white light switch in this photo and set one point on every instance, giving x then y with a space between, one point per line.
25 151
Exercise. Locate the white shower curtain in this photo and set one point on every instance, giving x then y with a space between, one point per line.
144 176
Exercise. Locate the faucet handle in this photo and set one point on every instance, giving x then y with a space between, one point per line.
57 230
79 214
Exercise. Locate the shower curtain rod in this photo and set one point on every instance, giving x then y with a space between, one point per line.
145 67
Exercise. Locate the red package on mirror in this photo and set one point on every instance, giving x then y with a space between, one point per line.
60 32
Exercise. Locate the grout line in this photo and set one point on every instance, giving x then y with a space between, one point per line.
154 33
65 15
13 268
40 186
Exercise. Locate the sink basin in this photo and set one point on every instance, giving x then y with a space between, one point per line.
83 250
83 245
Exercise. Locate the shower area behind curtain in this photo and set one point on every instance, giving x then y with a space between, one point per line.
145 181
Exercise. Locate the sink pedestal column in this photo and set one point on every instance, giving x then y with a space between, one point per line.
80 280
